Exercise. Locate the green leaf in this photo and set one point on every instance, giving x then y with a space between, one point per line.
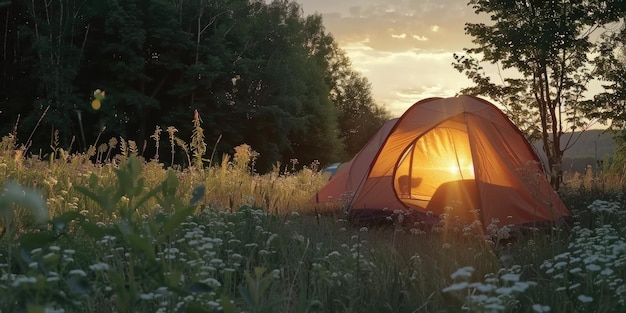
197 194
140 244
60 222
194 307
30 241
93 181
170 184
92 230
227 306
145 197
35 308
174 277
123 294
245 294
24 197
89 194
177 218
139 187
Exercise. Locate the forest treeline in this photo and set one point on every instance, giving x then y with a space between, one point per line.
257 73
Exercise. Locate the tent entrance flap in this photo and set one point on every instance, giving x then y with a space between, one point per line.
440 156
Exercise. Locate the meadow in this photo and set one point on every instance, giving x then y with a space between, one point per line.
110 231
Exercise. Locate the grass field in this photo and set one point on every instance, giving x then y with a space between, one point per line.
98 232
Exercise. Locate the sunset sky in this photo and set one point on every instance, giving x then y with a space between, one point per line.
403 47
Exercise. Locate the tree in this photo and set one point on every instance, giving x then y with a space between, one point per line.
549 44
257 72
48 42
359 116
611 103
141 47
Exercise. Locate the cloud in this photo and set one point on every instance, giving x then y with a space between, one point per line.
400 79
436 24
403 47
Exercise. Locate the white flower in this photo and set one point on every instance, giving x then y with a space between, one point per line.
270 239
334 253
212 282
510 277
541 308
456 287
465 272
504 291
494 307
21 280
585 299
99 267
607 272
78 272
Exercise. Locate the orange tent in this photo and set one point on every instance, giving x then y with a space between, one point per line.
342 186
460 156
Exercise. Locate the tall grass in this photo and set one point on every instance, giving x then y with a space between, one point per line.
119 233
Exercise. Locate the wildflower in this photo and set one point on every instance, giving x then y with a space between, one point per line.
504 290
212 282
456 287
464 272
23 280
510 277
270 239
574 286
78 272
275 274
541 308
99 267
334 253
146 296
53 310
585 299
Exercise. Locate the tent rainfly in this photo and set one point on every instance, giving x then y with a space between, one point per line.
460 158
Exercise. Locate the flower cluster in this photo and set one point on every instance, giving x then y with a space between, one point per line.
497 292
592 268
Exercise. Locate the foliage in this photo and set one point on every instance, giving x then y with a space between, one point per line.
610 65
255 71
548 44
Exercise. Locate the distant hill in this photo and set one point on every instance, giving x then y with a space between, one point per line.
585 148
592 143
